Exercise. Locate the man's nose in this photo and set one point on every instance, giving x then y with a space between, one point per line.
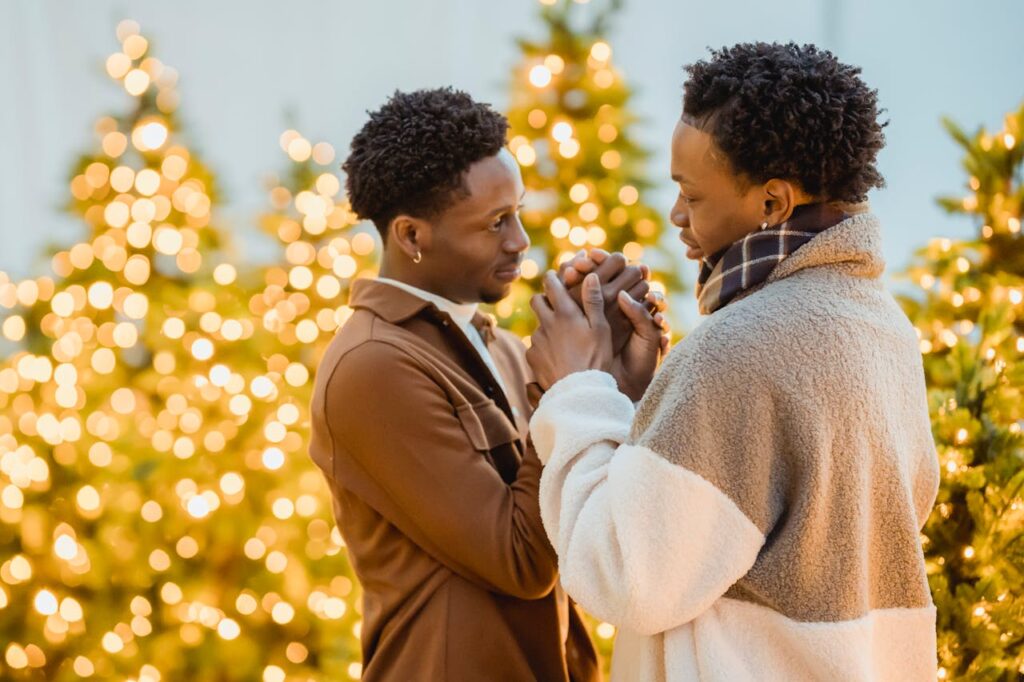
519 240
679 216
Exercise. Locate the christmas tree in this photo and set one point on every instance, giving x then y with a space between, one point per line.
324 251
571 130
970 321
158 516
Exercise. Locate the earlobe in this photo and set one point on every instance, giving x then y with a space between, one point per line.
409 234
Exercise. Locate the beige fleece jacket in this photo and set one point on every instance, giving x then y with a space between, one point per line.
757 515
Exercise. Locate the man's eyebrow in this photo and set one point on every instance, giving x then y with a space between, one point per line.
678 177
503 209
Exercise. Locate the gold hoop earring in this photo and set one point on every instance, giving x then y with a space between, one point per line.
418 257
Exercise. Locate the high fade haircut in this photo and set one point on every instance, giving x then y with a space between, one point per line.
412 155
789 111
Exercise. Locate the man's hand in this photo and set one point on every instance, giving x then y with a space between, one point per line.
615 276
634 367
568 339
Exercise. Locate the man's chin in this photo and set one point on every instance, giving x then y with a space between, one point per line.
491 296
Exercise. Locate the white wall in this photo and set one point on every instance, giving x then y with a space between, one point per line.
250 69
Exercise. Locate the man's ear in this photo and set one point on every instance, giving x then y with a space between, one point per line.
410 234
780 198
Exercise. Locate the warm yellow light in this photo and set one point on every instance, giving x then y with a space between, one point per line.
135 46
560 228
232 483
629 195
579 192
228 629
526 155
537 118
299 149
601 51
88 498
118 64
147 182
136 82
149 136
202 349
14 327
45 602
554 63
589 212
65 547
540 76
578 236
562 131
569 148
344 266
323 154
112 643
71 610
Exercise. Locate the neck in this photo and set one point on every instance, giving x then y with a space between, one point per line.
408 274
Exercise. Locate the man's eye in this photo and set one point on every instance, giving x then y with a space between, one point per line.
496 226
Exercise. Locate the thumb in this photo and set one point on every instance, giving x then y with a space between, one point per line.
637 314
593 300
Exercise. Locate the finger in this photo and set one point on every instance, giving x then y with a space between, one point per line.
598 256
571 276
593 300
656 300
665 341
638 292
625 280
541 308
645 270
557 295
611 267
642 321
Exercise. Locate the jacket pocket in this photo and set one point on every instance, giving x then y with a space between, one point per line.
486 425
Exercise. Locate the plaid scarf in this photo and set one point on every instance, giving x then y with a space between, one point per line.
748 262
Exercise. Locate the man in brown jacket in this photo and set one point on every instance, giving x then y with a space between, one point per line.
420 411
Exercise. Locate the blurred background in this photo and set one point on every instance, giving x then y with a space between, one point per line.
250 70
177 253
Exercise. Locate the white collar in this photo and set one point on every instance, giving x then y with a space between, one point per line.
461 313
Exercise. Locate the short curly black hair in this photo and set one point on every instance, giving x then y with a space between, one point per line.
792 112
412 154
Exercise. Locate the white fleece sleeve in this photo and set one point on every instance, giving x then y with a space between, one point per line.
642 543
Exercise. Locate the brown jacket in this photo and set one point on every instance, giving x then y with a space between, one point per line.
435 490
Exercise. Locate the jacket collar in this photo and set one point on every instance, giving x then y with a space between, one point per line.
855 245
396 305
388 302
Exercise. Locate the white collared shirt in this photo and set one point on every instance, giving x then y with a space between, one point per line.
462 314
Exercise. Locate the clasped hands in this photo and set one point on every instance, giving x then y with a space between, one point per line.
598 313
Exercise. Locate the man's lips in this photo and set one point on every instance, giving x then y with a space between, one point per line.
693 250
508 273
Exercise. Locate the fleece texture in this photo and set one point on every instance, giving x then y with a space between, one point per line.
757 514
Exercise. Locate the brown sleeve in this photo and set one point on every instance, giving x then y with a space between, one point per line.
398 443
